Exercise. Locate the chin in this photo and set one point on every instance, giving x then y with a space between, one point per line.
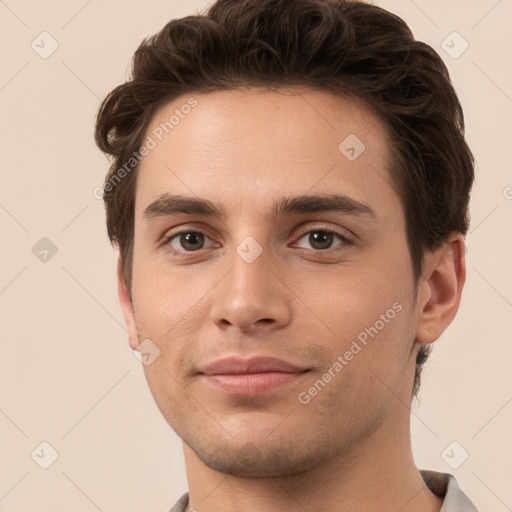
263 458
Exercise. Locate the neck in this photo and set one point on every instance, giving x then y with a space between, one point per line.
378 474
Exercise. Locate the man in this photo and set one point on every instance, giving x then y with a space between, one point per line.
289 194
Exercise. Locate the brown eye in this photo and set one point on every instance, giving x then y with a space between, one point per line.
192 241
187 241
320 239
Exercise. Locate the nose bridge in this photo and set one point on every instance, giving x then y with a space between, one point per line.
249 281
250 294
251 256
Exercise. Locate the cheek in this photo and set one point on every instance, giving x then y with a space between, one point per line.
367 321
168 309
345 301
165 301
368 368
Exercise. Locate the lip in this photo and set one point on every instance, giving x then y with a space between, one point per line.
249 377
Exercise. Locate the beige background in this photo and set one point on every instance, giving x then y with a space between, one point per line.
67 375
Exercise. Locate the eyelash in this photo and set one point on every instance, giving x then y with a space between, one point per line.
345 240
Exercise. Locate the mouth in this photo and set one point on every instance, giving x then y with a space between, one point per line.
249 377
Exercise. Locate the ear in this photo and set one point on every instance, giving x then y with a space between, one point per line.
440 289
127 306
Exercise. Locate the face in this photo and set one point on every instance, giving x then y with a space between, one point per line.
271 271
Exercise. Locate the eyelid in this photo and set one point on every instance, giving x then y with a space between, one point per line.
169 237
345 234
170 233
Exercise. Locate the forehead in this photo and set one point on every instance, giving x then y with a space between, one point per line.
248 147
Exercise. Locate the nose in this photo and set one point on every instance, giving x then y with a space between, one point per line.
251 297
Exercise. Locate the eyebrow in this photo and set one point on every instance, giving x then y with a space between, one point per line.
168 205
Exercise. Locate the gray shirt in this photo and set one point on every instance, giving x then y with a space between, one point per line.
443 485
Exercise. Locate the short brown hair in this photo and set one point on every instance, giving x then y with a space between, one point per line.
343 47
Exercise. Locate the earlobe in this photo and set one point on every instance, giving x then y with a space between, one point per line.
127 306
441 288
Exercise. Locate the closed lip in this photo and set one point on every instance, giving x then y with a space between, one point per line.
242 366
236 376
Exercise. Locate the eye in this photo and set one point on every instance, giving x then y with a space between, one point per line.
321 239
188 241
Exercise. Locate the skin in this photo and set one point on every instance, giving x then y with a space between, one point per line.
349 447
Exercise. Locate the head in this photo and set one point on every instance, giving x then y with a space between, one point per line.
327 141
